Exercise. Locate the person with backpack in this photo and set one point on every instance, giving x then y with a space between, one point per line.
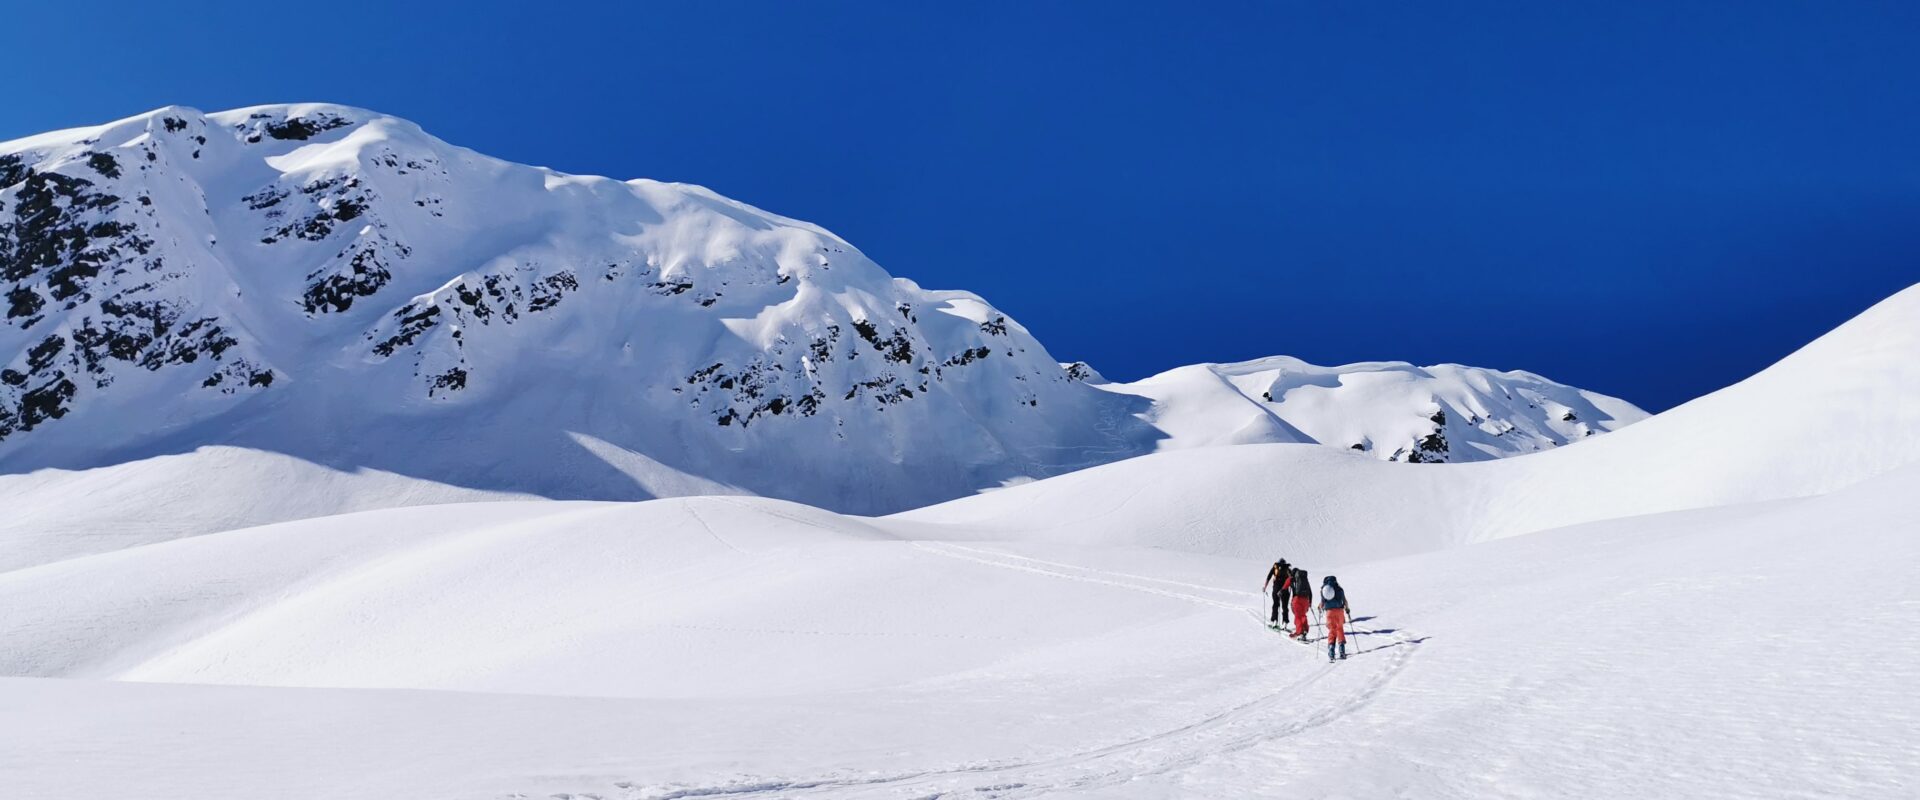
1302 603
1280 578
1333 601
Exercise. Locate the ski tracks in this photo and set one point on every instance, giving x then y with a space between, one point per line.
1084 574
1323 695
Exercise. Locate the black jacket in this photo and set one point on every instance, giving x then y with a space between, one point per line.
1278 575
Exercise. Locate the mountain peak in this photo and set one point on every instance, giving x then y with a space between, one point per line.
337 285
298 277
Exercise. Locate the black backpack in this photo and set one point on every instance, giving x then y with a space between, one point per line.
1301 586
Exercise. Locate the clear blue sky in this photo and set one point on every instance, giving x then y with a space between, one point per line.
1649 199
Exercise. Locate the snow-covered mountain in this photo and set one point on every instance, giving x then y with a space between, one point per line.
297 310
339 286
1392 410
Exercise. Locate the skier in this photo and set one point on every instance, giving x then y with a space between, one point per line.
1280 577
1302 603
1333 600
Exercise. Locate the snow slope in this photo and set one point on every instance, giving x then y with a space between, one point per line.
190 295
1838 411
743 647
57 514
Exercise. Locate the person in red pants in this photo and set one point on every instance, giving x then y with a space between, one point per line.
1333 600
1302 603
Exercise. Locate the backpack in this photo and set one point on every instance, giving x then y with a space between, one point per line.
1301 586
1333 595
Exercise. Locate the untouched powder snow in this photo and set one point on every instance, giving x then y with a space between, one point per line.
187 295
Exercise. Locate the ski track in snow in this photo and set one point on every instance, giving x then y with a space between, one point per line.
1128 576
1097 576
702 521
1282 713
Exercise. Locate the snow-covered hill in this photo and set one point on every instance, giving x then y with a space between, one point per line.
1840 410
337 299
1392 410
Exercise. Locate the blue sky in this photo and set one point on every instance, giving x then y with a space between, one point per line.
1652 200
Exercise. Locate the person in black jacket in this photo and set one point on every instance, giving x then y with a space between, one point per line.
1280 579
1333 600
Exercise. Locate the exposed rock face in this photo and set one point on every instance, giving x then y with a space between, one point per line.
338 285
94 287
360 277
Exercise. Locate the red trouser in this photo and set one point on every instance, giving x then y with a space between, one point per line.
1301 604
1336 625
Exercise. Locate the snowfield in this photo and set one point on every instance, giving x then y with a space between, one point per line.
1714 602
1675 655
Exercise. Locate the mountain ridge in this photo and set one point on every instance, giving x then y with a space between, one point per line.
339 286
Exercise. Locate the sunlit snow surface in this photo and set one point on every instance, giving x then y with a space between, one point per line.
731 646
1716 601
